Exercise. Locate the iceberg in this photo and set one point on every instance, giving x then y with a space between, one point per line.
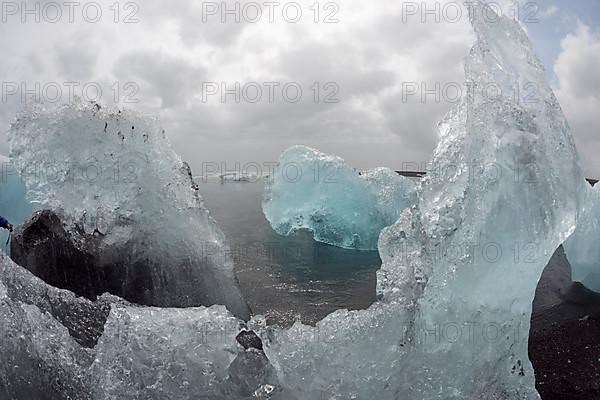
240 177
582 248
112 175
323 194
460 268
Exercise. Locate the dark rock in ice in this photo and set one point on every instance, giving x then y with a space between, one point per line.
44 331
64 255
142 234
249 339
251 374
83 318
69 258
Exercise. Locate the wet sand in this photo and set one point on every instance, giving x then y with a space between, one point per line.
564 342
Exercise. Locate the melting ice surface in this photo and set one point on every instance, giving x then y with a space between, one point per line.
321 193
450 324
115 172
454 317
143 353
582 248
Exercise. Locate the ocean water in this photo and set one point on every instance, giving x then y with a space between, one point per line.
287 278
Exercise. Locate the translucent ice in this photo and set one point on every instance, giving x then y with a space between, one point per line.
321 193
458 277
240 177
161 353
40 359
55 345
114 174
13 204
460 269
583 247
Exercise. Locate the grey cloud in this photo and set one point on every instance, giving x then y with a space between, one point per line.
579 80
341 63
171 79
76 60
577 65
369 54
193 28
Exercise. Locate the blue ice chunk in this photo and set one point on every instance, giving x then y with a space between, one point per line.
339 205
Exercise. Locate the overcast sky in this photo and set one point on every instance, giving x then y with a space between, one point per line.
178 55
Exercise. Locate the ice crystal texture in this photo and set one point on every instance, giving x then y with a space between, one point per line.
13 204
115 172
460 269
459 272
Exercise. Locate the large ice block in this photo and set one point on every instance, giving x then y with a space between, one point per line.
55 345
340 206
166 354
115 177
460 269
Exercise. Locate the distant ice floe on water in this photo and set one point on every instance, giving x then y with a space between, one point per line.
448 326
237 176
321 193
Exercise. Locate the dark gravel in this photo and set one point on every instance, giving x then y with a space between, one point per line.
564 346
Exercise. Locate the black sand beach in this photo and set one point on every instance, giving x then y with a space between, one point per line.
564 341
